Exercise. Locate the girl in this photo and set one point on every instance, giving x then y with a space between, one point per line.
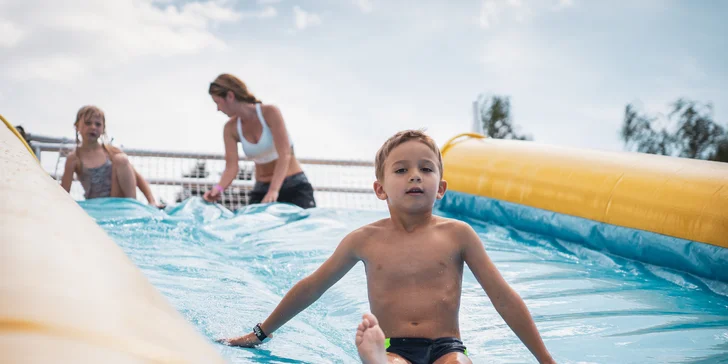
262 132
102 169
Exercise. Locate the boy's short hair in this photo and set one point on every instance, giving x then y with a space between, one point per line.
398 139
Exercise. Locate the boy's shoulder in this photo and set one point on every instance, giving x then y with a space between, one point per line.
453 225
357 238
370 229
384 225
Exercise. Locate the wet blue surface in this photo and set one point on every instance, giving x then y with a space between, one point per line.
226 271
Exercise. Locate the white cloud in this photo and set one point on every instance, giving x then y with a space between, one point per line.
101 34
488 14
565 3
210 11
304 19
61 67
11 34
267 12
492 12
264 2
365 6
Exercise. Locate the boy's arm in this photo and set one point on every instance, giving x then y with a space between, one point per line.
505 300
306 291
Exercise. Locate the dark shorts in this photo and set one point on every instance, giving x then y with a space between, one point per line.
295 190
424 351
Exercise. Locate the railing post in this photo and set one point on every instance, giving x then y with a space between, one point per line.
477 126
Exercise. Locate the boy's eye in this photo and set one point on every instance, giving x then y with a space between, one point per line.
400 170
426 169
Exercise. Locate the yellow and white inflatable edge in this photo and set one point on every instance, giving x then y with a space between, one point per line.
68 293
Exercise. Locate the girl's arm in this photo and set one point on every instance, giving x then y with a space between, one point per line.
68 170
144 187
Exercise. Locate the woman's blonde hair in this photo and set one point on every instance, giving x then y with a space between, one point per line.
227 82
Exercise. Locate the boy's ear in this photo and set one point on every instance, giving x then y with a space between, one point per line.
441 189
379 190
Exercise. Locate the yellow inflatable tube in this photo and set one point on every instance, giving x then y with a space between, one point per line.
17 134
68 293
678 197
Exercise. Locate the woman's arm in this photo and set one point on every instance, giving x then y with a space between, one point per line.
231 163
283 147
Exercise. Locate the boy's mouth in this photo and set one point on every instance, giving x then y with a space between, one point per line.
415 191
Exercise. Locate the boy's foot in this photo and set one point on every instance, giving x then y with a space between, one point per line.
370 341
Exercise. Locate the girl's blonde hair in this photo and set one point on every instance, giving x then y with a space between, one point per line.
227 82
85 113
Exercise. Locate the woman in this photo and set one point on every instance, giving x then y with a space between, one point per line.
264 138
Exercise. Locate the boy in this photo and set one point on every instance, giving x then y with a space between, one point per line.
414 267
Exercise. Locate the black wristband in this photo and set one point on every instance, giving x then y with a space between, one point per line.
258 331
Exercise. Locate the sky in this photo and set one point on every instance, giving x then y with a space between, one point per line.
347 74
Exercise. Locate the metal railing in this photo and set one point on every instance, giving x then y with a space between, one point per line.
194 185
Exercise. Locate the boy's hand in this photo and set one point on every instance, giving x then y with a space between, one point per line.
247 341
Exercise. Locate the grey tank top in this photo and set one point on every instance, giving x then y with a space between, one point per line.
97 181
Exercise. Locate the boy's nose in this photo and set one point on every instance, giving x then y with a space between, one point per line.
415 178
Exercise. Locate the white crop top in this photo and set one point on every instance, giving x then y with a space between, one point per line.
265 150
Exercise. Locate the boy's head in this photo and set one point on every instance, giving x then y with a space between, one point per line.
409 171
399 138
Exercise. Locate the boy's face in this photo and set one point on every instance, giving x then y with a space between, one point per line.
411 178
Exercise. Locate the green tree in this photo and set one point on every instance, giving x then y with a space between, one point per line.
687 131
495 114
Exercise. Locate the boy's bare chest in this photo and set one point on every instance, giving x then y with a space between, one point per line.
427 258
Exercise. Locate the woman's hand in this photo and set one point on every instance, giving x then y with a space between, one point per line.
213 194
159 205
271 196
